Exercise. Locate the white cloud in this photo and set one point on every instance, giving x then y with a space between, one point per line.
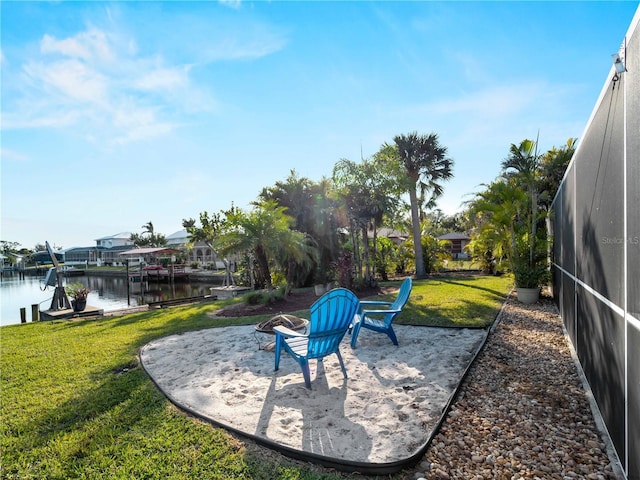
72 78
91 45
495 101
113 87
137 123
163 79
242 48
11 155
235 4
52 119
103 87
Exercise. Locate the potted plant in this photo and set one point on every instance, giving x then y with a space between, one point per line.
323 281
529 279
320 287
78 294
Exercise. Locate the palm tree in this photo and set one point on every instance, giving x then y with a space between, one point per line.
266 233
148 238
425 165
368 194
524 160
309 204
148 228
553 165
497 213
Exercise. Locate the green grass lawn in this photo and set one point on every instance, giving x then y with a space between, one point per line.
76 404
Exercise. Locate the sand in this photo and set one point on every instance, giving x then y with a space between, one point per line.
385 412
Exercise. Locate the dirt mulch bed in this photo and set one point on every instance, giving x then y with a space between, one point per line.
297 300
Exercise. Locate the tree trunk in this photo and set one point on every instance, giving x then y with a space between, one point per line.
375 247
417 237
263 264
365 251
356 246
534 220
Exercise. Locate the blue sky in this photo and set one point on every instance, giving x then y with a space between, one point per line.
117 114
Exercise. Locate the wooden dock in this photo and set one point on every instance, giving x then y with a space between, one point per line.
159 273
182 301
66 313
228 291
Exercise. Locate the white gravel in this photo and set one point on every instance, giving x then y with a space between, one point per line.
522 412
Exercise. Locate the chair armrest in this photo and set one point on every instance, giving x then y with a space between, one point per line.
379 312
372 303
287 332
375 302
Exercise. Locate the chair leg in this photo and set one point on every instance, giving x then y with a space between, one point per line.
304 364
355 333
344 370
392 335
277 349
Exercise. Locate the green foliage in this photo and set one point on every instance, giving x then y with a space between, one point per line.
434 253
368 194
256 298
509 214
552 167
266 233
527 276
148 238
404 258
76 290
386 257
315 214
209 231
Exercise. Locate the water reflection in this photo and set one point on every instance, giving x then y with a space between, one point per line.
107 293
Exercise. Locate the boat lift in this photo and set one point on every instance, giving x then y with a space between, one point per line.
60 301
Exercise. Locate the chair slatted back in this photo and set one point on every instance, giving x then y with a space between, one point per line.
403 295
329 320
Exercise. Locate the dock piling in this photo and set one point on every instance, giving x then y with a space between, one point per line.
23 315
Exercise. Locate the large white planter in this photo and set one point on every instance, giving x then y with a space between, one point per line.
319 289
528 295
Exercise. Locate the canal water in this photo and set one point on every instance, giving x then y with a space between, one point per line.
107 293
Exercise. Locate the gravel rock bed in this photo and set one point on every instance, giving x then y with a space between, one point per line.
522 412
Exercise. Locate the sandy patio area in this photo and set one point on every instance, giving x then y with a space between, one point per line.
378 420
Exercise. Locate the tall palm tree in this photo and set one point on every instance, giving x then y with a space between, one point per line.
425 164
523 162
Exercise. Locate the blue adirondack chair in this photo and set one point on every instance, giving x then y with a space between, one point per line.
329 321
380 320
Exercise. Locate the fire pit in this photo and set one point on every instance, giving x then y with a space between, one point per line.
289 321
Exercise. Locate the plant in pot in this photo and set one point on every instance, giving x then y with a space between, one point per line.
321 279
529 279
529 266
78 294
